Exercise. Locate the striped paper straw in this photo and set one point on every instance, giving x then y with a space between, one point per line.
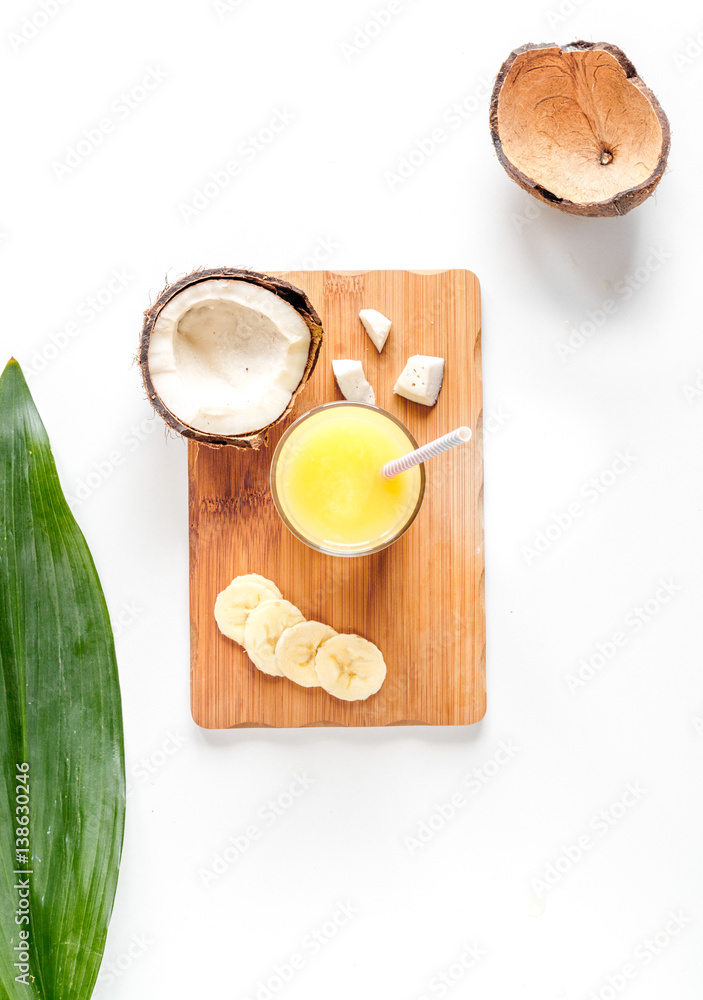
451 440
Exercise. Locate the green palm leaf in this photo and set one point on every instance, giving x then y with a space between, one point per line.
60 725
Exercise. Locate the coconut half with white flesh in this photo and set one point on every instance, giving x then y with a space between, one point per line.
224 353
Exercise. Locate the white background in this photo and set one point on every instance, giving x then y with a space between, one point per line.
556 422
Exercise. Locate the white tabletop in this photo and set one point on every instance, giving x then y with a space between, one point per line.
553 850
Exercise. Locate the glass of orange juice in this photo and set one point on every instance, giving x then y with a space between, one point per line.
327 483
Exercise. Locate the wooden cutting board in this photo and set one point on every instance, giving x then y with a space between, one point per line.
421 600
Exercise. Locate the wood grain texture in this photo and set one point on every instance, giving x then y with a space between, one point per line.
421 600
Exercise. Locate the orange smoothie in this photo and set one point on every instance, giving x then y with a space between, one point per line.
327 480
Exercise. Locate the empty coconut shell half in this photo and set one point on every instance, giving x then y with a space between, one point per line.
224 353
576 127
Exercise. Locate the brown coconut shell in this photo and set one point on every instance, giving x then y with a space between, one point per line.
576 127
294 296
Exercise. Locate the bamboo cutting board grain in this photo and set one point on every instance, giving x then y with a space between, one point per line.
421 600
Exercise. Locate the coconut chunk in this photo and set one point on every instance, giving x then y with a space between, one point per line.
352 382
225 356
377 326
421 379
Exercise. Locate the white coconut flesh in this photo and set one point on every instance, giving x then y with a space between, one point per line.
225 356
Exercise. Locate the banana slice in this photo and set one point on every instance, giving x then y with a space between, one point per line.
264 627
349 667
234 603
296 649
